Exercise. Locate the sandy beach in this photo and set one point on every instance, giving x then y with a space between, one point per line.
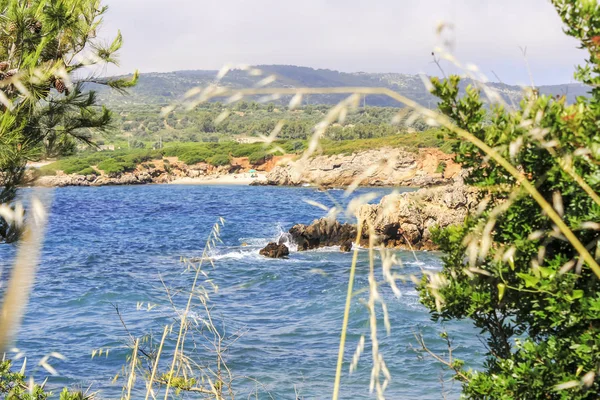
229 179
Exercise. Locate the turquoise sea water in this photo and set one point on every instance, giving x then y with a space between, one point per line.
112 246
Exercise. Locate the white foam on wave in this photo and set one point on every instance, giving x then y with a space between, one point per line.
281 236
326 249
410 293
255 242
432 267
235 254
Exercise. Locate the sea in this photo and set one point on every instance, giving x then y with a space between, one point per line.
118 264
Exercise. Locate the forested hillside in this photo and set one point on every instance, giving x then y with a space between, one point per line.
249 120
164 88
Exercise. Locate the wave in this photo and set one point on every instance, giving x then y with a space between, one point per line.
254 242
235 254
325 249
281 236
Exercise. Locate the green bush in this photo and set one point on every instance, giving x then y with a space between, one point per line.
219 160
111 167
258 157
195 157
15 386
441 167
137 144
88 171
71 166
520 268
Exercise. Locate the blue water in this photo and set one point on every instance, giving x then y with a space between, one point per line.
112 246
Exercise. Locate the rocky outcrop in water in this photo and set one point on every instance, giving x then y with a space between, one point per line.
399 220
346 246
378 167
323 232
274 250
405 220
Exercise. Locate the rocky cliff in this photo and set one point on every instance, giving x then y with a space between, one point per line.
378 167
162 171
405 220
399 220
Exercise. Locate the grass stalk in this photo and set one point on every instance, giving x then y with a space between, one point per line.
131 380
340 361
22 275
155 367
187 310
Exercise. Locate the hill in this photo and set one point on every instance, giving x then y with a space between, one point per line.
165 88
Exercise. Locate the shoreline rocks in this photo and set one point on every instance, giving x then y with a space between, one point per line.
322 232
376 167
399 220
162 172
405 220
274 250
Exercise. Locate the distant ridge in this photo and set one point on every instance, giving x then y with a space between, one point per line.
164 88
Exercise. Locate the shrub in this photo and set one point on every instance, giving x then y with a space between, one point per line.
519 268
137 144
219 160
88 171
441 167
14 385
111 167
72 166
194 157
258 157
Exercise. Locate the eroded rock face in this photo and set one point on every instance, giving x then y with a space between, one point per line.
402 220
387 167
346 247
323 232
405 220
133 178
274 250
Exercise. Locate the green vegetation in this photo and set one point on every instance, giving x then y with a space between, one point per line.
218 154
258 157
521 269
14 387
252 119
218 160
42 112
108 161
166 88
409 141
441 168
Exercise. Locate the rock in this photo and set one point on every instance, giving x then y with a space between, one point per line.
65 180
405 220
346 246
401 220
393 167
323 232
281 176
274 250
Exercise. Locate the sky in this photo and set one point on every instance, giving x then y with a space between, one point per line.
345 35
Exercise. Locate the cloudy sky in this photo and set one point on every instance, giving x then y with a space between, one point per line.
345 35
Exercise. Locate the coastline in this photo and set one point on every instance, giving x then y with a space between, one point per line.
427 167
227 179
